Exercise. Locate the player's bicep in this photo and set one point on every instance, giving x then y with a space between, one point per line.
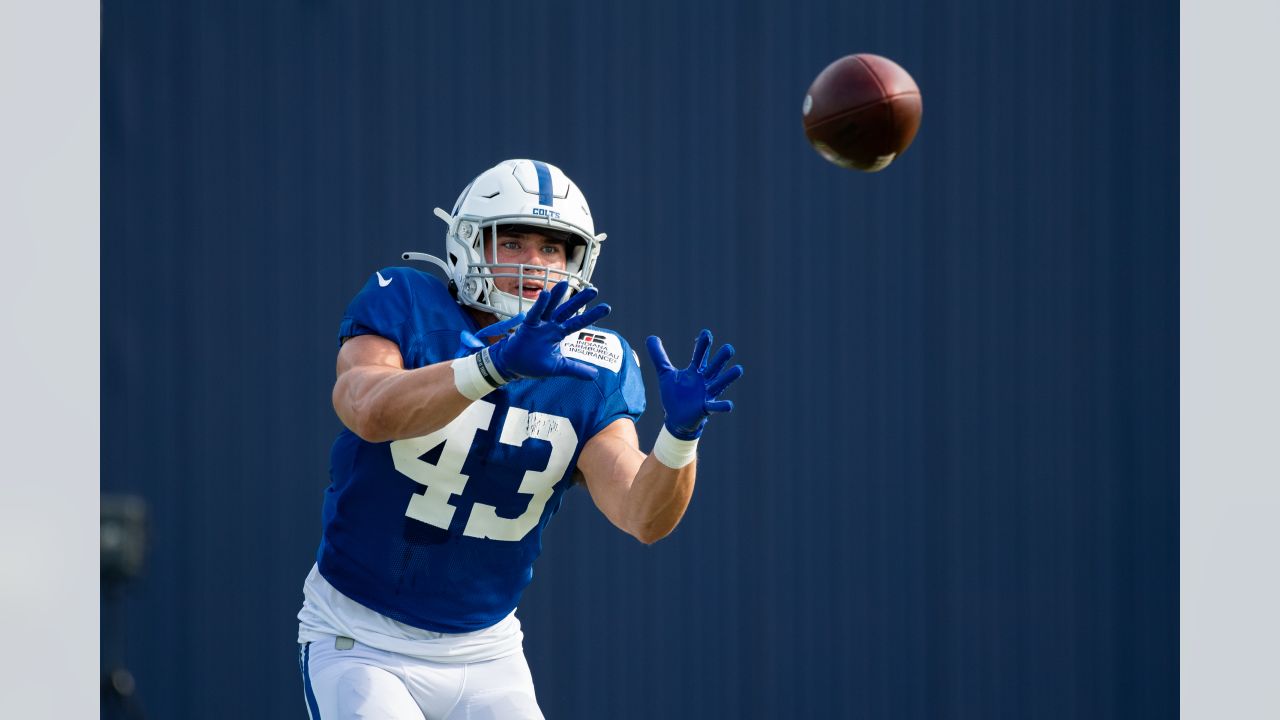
362 361
609 462
369 350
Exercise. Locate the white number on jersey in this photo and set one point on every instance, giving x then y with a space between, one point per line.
444 478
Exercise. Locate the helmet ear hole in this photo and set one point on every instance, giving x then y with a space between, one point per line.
576 253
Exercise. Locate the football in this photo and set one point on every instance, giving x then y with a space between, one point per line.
862 111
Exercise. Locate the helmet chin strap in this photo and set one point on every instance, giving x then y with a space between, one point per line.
504 303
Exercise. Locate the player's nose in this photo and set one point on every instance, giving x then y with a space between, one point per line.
535 258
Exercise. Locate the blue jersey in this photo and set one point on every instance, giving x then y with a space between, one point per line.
440 532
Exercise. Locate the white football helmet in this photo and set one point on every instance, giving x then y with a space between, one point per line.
515 192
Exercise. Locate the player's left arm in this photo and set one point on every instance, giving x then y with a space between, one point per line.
646 495
640 495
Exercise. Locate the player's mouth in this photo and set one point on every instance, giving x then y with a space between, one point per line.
530 290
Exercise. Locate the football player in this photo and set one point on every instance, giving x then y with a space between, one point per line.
469 409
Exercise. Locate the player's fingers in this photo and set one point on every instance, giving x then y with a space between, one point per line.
717 386
535 313
718 360
718 406
658 354
575 369
575 303
557 294
590 317
700 350
499 329
469 341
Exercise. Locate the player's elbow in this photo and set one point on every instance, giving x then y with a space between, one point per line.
368 422
649 528
650 535
370 433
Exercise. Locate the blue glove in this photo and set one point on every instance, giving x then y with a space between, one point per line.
533 350
689 395
471 342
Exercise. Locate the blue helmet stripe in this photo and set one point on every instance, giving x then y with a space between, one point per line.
545 196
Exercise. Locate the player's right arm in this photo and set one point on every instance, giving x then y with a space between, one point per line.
377 399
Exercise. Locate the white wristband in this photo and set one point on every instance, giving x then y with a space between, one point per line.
475 376
672 451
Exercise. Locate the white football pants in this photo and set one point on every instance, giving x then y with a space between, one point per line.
361 682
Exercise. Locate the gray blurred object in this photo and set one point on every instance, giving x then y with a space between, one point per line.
123 550
123 542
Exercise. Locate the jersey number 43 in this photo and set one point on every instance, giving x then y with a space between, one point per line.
444 478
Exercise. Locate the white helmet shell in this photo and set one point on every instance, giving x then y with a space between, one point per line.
515 192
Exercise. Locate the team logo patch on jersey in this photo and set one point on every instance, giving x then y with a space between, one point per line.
593 346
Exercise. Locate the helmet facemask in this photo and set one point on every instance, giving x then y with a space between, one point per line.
479 287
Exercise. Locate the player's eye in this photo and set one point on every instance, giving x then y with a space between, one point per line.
511 245
551 249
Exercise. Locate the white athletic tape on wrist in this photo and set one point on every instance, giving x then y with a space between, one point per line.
674 452
475 375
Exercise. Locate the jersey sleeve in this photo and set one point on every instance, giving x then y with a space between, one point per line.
626 393
384 306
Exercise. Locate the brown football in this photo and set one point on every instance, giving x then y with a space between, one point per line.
862 111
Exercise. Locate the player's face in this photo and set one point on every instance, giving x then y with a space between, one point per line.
516 245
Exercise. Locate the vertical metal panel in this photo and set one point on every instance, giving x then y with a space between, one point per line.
951 487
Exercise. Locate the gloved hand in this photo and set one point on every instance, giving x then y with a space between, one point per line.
533 350
689 395
473 341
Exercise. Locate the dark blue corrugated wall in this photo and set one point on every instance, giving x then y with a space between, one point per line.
950 490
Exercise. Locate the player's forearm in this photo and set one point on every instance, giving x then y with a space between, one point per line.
390 404
657 499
